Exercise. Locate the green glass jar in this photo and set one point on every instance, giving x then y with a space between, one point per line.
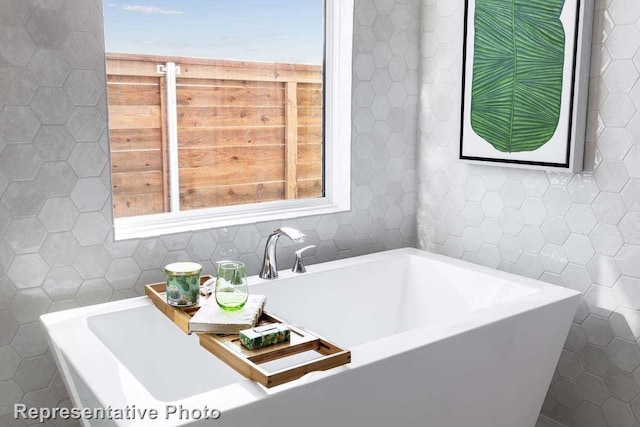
231 290
183 283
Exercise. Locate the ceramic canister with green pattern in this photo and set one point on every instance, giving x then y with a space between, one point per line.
183 283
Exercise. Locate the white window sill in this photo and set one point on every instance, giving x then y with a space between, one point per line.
169 223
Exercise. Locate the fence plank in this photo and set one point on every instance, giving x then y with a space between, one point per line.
230 136
133 94
134 161
291 140
262 72
221 116
309 161
223 70
134 116
231 195
125 205
182 81
310 116
309 134
141 182
134 139
220 96
311 97
308 188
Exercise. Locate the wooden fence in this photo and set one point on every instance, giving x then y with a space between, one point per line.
247 132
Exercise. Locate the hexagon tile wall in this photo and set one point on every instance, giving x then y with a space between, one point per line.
581 231
57 249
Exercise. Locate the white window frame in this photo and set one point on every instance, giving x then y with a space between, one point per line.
337 160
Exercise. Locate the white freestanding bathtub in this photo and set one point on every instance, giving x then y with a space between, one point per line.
435 342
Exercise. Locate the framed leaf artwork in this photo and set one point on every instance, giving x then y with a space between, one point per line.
525 82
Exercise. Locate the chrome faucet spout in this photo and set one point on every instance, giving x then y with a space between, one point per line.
269 268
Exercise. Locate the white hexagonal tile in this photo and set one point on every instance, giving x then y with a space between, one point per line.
593 389
535 183
577 277
511 221
62 283
454 247
58 214
492 204
621 384
150 254
60 249
20 161
9 327
472 239
91 228
89 194
18 124
529 265
94 291
22 198
29 304
624 41
49 67
601 300
53 142
513 194
581 219
624 354
509 247
56 179
18 86
627 292
555 229
10 394
92 262
604 270
9 362
533 211
553 258
123 273
85 124
617 110
578 249
583 188
606 239
25 235
611 176
51 105
27 271
598 330
557 200
35 374
18 47
567 392
29 340
621 76
609 208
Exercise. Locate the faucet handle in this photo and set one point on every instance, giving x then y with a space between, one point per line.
298 265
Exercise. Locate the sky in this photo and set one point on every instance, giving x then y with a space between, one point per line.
252 30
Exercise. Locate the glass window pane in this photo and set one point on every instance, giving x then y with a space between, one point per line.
249 102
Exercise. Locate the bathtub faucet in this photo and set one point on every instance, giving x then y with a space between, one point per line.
269 264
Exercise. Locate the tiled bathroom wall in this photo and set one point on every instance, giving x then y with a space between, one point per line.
57 249
581 231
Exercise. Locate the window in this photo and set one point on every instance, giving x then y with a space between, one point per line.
226 113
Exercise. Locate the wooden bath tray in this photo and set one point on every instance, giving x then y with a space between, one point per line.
247 362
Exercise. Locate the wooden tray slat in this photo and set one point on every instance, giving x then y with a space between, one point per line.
246 362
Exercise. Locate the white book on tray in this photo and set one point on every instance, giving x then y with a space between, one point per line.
212 319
